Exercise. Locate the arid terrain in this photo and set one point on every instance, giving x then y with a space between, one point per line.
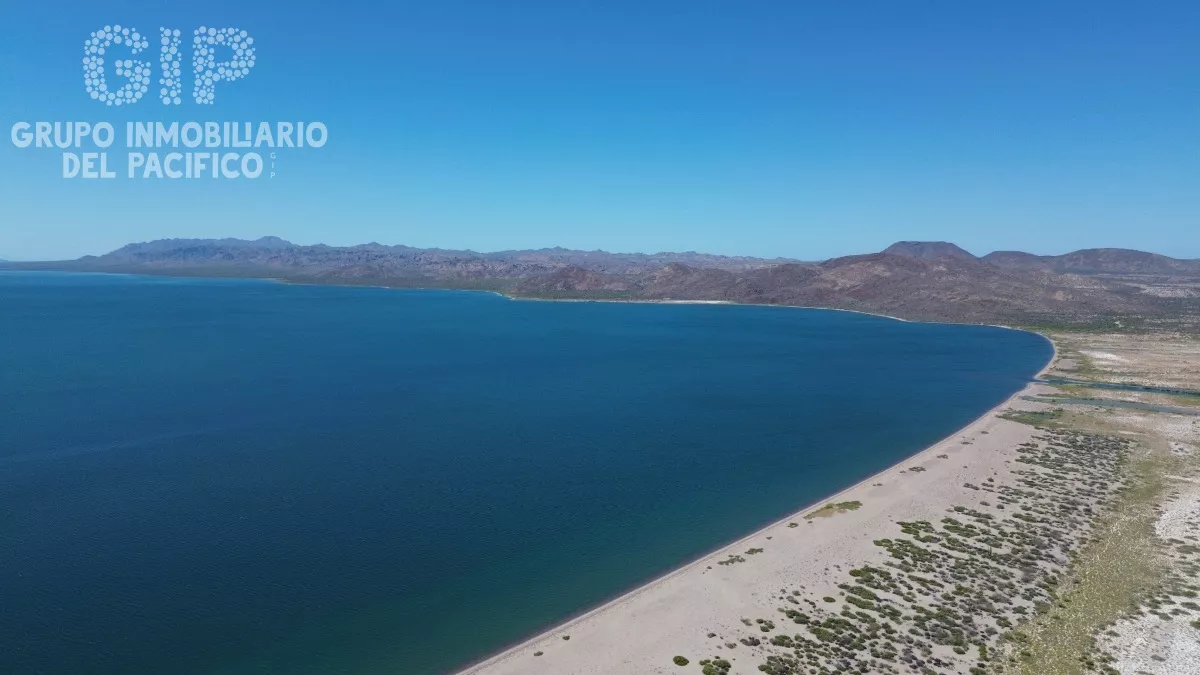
1093 288
1134 589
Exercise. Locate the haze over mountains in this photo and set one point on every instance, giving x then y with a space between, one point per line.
920 280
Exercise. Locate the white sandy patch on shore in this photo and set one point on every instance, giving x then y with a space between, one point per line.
1147 643
1103 356
1143 639
641 631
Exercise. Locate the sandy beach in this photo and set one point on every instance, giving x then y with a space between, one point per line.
1044 537
699 609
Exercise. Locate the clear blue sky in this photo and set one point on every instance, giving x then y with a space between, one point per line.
807 129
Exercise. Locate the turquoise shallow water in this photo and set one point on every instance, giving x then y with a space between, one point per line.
202 476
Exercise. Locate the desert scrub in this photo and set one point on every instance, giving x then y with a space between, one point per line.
833 508
1034 418
1114 571
680 661
951 585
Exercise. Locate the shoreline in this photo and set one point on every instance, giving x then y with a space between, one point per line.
726 303
514 650
730 303
522 298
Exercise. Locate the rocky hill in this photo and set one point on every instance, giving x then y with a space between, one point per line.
928 250
1096 261
921 280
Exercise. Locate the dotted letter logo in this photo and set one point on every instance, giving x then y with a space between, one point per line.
171 80
136 72
204 59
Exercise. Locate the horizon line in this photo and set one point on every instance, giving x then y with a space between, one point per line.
780 258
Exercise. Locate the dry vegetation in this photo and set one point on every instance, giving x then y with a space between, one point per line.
1084 560
832 509
1148 552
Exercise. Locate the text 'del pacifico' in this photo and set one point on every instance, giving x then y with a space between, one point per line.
169 150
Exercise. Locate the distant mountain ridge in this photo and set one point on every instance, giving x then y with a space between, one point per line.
382 261
911 279
1116 261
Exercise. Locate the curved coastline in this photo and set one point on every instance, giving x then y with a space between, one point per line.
512 651
500 656
521 298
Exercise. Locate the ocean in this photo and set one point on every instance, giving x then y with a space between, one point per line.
235 476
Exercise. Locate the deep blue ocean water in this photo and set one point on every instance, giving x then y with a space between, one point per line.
216 476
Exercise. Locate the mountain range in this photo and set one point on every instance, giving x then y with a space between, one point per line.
910 279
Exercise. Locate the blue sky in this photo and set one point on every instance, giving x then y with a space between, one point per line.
802 129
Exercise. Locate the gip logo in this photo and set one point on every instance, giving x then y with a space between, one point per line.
117 72
206 70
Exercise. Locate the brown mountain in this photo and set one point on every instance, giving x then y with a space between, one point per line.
572 280
920 280
928 250
950 288
272 256
1108 261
